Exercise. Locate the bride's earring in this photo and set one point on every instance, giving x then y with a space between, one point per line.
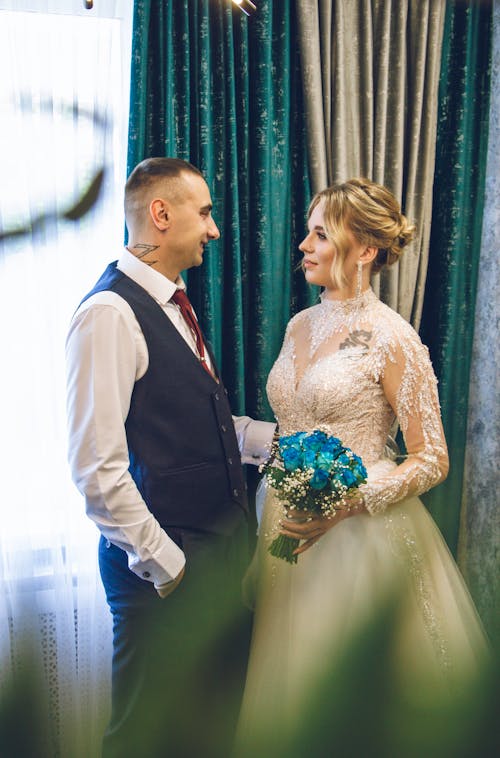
359 279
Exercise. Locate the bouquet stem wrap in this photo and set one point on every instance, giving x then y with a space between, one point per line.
312 474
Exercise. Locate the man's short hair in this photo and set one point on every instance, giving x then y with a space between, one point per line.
151 172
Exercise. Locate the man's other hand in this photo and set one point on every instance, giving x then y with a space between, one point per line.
166 589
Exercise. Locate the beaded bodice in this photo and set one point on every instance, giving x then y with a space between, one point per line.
350 368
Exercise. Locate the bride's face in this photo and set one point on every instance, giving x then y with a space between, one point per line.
319 252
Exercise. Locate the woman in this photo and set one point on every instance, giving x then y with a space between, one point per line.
350 366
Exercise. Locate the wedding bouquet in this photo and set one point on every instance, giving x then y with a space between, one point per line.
311 473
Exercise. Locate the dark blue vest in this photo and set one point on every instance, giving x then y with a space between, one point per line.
184 455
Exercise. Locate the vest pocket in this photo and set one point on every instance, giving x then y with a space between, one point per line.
196 496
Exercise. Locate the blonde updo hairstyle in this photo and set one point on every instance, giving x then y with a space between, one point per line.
372 214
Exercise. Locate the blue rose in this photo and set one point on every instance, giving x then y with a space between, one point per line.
292 439
319 479
314 442
325 460
309 458
292 457
347 477
359 472
332 445
291 450
344 460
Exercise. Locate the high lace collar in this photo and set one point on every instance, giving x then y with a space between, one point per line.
331 316
350 304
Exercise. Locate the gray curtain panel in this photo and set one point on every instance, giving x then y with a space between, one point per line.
371 74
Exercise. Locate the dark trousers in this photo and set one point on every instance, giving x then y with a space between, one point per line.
178 663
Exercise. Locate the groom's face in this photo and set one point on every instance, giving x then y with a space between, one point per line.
190 223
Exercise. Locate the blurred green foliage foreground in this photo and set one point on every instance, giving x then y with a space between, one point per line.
355 709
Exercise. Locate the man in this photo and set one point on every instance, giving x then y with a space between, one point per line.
154 449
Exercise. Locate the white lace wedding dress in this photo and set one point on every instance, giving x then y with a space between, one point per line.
350 369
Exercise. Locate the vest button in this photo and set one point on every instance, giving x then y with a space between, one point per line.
223 428
146 574
216 396
236 493
230 461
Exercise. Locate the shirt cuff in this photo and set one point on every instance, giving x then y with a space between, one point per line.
254 438
164 566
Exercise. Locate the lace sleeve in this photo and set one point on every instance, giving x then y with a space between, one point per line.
410 386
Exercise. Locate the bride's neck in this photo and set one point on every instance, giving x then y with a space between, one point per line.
343 293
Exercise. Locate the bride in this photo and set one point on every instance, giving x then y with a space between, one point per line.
350 366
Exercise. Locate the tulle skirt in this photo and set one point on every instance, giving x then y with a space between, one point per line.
308 613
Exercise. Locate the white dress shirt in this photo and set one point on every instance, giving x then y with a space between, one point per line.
106 353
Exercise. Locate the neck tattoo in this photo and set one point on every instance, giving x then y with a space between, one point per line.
141 250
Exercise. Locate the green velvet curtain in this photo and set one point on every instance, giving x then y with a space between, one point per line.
450 295
223 91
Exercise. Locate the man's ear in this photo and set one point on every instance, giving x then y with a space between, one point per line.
160 213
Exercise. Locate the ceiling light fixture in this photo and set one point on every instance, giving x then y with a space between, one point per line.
246 6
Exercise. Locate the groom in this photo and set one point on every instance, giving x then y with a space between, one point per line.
154 449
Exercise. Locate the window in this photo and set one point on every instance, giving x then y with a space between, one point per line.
64 104
63 113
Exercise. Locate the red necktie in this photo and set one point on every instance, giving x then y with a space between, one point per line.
181 299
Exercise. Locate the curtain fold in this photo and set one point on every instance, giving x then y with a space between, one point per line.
224 92
371 75
399 91
480 523
450 297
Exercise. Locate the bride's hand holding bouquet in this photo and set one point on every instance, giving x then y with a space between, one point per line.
316 478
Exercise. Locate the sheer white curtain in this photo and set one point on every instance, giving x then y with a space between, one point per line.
63 112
